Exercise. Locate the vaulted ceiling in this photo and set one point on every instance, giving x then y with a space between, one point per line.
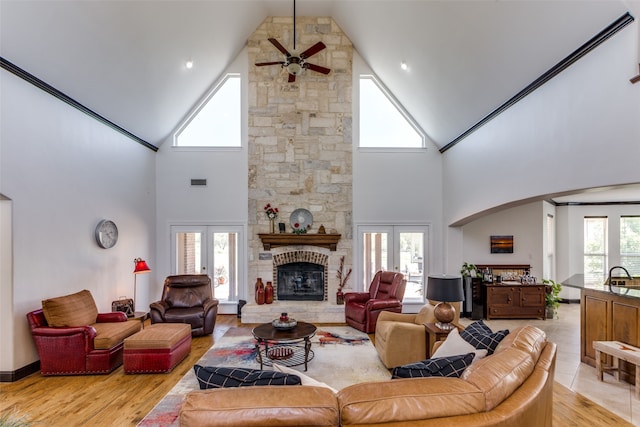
126 59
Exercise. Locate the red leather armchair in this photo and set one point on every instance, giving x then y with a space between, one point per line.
187 298
77 340
385 294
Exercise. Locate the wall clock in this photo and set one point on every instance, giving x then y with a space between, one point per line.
106 234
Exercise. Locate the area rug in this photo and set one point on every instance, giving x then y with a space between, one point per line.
342 356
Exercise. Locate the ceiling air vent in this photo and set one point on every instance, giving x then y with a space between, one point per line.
198 182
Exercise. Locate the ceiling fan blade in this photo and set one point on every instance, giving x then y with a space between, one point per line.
278 46
312 50
316 68
292 78
260 64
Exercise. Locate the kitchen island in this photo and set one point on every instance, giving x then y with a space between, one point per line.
608 313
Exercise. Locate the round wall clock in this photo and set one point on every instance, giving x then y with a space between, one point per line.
106 234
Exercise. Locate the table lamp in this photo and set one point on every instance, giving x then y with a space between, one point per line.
445 289
140 267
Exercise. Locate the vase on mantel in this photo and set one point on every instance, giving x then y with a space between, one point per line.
272 226
340 297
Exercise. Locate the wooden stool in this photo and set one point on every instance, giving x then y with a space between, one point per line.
617 350
157 348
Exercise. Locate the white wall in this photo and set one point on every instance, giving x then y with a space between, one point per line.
525 223
64 172
222 201
579 130
392 187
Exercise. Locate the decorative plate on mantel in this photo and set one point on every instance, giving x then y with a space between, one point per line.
302 217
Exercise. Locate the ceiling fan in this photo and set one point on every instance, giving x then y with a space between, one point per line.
295 62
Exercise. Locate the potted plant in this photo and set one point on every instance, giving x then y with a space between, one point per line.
342 281
469 270
552 297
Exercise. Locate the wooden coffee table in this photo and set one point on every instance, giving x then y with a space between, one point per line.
290 347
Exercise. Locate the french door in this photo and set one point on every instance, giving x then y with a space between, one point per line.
213 250
401 248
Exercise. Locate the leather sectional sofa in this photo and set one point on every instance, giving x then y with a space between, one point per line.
512 387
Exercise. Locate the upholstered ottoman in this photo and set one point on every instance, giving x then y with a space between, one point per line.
157 348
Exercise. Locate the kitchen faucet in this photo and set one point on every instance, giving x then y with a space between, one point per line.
613 268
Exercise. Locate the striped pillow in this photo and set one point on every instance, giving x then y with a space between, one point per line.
219 377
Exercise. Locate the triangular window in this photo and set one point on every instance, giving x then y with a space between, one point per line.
383 122
216 122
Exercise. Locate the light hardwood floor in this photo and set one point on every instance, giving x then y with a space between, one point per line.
123 400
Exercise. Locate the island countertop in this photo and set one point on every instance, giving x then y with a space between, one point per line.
577 281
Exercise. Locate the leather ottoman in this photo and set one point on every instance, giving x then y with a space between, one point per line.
158 348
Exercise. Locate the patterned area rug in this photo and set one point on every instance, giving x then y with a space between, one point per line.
342 356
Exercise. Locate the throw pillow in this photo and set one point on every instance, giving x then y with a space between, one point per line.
454 345
78 309
219 377
481 336
452 366
305 379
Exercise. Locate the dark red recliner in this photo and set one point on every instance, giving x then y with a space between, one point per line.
385 294
187 298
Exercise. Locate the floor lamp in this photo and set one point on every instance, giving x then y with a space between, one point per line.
140 267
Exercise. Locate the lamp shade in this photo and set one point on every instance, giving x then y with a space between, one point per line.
140 266
445 288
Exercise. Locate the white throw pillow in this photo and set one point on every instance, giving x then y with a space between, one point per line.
304 379
455 345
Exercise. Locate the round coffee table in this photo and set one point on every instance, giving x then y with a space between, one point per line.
291 347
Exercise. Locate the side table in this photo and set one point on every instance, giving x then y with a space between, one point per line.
140 315
433 333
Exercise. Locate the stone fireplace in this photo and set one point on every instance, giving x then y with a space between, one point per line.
299 156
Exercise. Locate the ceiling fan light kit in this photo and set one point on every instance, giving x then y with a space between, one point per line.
295 63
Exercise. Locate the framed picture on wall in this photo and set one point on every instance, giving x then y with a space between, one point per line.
501 244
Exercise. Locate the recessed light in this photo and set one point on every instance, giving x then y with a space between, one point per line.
189 64
404 66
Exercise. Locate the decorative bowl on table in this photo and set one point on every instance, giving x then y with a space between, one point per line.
284 325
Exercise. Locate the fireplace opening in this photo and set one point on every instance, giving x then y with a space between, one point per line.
300 281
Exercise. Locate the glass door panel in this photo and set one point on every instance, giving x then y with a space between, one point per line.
396 248
411 256
212 250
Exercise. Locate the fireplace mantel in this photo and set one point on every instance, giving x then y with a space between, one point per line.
329 241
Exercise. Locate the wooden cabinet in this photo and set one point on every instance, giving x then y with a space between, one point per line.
514 301
605 316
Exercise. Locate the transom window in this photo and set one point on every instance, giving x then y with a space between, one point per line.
383 121
217 121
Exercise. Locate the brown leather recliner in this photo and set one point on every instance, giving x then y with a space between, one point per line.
187 298
385 294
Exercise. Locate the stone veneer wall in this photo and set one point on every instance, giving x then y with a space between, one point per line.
300 140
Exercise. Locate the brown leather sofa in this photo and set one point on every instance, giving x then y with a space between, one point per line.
187 298
512 387
361 309
400 337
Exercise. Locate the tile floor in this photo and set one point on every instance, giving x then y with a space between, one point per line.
618 397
